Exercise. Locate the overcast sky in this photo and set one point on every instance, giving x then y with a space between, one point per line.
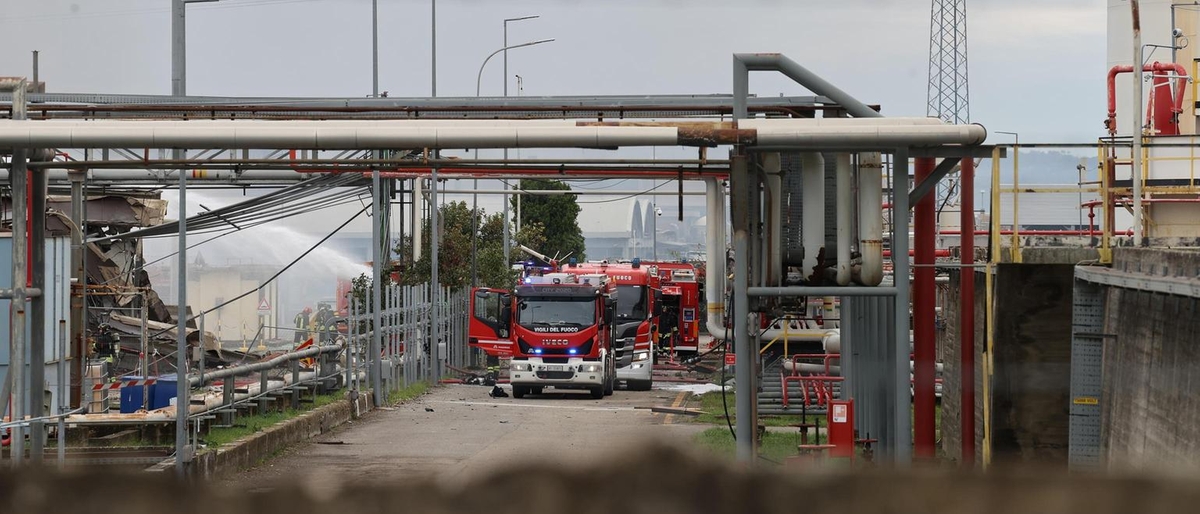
1037 67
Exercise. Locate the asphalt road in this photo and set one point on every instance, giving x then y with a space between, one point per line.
468 433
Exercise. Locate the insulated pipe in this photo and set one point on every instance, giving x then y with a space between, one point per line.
924 316
212 376
845 202
870 217
772 165
741 179
812 233
308 134
714 279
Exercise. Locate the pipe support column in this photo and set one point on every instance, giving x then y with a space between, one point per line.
924 317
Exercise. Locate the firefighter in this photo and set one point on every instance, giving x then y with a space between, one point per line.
302 320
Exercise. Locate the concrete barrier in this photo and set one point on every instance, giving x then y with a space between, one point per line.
253 449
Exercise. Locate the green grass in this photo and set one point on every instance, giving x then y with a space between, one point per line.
407 393
775 446
714 412
248 425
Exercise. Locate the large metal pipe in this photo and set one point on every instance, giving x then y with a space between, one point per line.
924 317
195 380
899 437
772 166
714 280
870 218
307 134
812 188
845 217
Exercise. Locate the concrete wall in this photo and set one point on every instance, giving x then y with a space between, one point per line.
948 341
1151 397
251 450
1031 380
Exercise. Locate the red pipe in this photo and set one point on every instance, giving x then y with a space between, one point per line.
1111 122
966 316
924 317
1030 232
936 253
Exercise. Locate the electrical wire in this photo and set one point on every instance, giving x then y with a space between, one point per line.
272 277
626 197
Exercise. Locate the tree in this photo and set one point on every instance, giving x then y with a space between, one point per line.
558 214
454 254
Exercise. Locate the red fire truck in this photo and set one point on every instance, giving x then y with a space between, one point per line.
557 330
681 317
637 311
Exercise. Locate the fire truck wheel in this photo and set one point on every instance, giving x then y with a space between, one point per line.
519 391
609 386
535 390
640 385
597 392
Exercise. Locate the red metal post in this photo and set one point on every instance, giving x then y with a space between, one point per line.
966 316
924 313
840 424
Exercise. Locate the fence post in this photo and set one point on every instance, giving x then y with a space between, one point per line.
227 392
295 364
263 401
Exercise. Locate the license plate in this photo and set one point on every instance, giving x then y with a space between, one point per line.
553 368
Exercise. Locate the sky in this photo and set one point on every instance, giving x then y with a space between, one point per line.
1036 67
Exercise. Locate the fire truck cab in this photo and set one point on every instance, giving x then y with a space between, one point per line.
556 329
636 315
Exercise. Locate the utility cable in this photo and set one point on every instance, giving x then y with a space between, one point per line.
628 196
272 277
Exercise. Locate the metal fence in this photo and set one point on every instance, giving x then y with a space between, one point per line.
422 334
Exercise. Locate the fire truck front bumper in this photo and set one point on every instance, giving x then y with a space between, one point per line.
576 372
639 370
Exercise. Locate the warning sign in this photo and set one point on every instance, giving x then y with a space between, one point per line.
730 359
839 413
1087 400
264 306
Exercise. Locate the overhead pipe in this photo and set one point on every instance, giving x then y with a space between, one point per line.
870 218
845 202
714 279
744 63
334 135
812 189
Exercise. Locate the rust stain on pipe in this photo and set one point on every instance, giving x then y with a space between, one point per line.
692 133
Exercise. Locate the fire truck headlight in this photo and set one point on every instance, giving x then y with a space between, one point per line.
589 368
641 356
520 366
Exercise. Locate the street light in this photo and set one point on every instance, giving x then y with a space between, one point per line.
475 196
507 238
654 230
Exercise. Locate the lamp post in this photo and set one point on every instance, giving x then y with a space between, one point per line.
475 196
507 237
654 230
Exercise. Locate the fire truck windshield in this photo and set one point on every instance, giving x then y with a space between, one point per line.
631 302
557 311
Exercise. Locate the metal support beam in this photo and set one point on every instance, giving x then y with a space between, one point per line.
37 314
966 309
78 319
924 186
182 387
435 283
740 181
901 434
378 219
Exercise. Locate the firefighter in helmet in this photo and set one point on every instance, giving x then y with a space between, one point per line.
301 321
